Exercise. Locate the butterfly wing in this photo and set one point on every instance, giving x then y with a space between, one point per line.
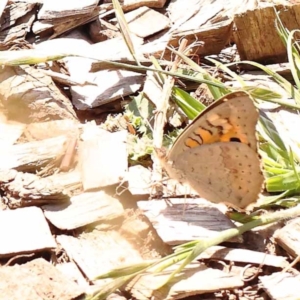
212 145
232 118
222 172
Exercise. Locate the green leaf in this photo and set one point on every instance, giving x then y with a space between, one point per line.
140 107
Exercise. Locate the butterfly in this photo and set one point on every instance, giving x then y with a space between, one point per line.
216 155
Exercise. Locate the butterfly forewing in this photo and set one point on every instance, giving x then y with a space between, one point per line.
232 118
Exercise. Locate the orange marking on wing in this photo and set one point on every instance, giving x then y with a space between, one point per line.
234 134
191 143
206 136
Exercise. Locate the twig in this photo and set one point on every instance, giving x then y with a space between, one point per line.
161 119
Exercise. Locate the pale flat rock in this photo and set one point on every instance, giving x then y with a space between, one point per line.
181 220
243 256
109 85
102 157
288 237
281 286
84 209
24 230
195 279
38 280
145 21
98 252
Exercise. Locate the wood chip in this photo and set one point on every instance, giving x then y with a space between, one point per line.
51 10
262 43
145 21
84 209
132 4
10 133
99 252
103 157
24 230
184 220
38 280
25 189
71 271
15 11
195 279
244 256
281 286
100 30
41 99
44 130
114 49
197 23
30 156
109 85
288 237
139 180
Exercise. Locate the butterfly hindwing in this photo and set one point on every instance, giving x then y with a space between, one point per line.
223 172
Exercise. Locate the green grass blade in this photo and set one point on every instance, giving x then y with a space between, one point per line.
283 182
124 29
268 200
190 106
289 88
294 167
281 30
216 92
126 270
269 132
223 236
228 71
293 53
109 288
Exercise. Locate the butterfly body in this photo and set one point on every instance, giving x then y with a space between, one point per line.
217 153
